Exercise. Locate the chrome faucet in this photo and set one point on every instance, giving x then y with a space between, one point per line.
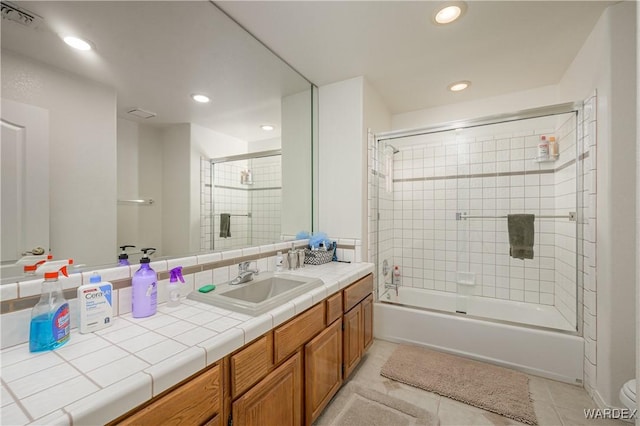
244 273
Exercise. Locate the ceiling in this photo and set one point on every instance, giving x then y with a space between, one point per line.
500 46
156 54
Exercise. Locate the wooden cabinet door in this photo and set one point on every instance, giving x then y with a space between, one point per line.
193 403
276 400
367 321
323 370
352 339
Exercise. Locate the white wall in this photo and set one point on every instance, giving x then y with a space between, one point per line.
511 102
82 182
128 214
623 255
296 160
377 118
205 143
265 144
140 172
341 159
150 184
606 63
176 190
211 144
637 214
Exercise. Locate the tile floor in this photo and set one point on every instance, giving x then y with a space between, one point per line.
555 403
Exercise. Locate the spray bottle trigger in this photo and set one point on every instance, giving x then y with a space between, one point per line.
176 274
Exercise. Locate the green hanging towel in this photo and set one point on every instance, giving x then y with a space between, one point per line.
225 225
521 235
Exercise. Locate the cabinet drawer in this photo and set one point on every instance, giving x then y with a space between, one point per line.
251 364
334 307
298 331
357 291
193 403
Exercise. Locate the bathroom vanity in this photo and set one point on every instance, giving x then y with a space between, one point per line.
286 376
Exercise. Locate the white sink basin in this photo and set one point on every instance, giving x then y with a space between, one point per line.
265 292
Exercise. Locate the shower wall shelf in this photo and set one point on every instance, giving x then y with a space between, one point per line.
549 159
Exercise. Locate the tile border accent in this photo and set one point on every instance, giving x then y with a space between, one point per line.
13 305
248 189
495 174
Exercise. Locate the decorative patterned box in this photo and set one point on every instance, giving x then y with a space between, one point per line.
318 257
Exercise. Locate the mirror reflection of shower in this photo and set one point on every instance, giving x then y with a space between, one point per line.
241 199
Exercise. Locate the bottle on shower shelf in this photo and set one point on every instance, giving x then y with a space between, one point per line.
554 149
396 277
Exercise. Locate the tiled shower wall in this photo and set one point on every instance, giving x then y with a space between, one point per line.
206 218
565 241
266 198
381 222
229 196
261 201
485 173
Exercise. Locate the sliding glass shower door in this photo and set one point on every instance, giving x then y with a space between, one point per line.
517 222
242 201
453 190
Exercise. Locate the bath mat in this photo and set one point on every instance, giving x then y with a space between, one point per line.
492 388
355 405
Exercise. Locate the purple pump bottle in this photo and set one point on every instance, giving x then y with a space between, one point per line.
144 297
123 259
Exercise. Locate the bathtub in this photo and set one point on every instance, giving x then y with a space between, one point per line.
553 354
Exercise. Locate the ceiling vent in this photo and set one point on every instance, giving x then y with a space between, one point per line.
140 113
19 15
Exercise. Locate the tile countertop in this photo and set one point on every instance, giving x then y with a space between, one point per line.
99 376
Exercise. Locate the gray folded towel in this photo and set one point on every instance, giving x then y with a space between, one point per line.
521 235
225 225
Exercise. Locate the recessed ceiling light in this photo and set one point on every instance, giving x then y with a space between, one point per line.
267 127
449 12
77 43
459 85
200 98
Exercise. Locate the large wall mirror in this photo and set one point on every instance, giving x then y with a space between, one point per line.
107 147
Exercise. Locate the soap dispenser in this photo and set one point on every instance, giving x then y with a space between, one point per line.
123 259
293 258
144 294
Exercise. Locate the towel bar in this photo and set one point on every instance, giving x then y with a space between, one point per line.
243 215
571 216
